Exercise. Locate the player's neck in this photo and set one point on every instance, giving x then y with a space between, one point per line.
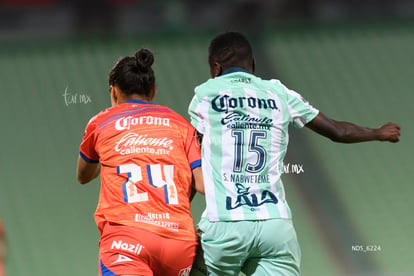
137 97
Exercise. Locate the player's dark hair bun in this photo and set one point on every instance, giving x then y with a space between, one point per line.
134 74
144 59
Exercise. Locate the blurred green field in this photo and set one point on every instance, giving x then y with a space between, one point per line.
360 74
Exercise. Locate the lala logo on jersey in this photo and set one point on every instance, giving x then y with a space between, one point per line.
249 199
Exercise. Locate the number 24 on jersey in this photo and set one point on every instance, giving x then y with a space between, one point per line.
155 179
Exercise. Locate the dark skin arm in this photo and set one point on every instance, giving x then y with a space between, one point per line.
341 132
86 172
345 132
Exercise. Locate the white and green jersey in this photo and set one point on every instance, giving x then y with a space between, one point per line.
244 122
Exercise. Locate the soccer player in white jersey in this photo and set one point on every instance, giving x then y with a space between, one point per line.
243 121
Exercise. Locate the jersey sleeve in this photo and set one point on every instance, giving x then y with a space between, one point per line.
300 110
196 115
87 147
193 148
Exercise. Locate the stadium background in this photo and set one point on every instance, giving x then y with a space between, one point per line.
351 59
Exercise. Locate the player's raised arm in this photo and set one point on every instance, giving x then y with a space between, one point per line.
345 132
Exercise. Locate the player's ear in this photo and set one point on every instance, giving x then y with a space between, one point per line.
114 95
216 69
154 91
111 93
253 65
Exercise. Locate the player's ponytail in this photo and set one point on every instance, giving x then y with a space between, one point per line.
134 75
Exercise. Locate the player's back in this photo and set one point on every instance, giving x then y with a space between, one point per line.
244 121
145 151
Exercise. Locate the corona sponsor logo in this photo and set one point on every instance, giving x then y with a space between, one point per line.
126 122
225 103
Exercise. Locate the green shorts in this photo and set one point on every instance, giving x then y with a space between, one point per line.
259 247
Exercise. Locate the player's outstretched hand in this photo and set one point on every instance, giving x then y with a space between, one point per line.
389 132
